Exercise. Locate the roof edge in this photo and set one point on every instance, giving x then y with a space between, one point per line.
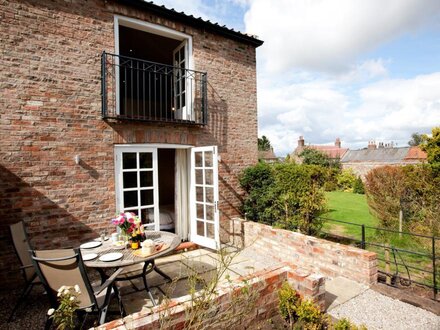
191 20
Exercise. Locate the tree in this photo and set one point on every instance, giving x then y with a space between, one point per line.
314 157
416 139
264 144
431 145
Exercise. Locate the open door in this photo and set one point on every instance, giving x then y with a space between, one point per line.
137 183
180 66
205 226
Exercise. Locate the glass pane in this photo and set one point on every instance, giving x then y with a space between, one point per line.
200 213
210 212
199 176
198 157
208 159
146 178
147 215
210 230
130 198
209 177
209 194
200 228
146 160
199 194
128 160
182 53
147 197
130 179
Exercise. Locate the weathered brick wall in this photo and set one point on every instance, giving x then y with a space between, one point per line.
266 305
362 168
318 255
50 111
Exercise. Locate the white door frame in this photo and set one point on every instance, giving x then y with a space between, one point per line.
161 30
204 240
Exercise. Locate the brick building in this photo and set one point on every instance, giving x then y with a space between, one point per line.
375 155
120 105
334 152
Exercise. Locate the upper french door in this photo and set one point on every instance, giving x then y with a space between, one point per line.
205 227
137 183
180 82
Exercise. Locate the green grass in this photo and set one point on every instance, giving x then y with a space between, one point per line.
353 208
348 207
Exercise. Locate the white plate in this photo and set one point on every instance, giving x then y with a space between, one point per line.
90 245
89 256
111 256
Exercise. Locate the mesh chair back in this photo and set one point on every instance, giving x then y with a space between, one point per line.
22 247
64 267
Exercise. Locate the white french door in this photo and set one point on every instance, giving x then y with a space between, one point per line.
204 213
180 81
137 183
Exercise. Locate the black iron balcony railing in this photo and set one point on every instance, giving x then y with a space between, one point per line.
134 89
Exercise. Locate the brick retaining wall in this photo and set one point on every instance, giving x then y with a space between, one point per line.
324 257
267 283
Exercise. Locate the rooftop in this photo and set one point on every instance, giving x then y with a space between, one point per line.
171 13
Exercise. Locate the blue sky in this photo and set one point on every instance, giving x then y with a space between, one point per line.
359 70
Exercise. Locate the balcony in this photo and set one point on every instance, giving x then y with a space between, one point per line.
139 90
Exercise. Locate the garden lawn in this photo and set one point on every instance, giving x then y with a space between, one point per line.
353 208
349 207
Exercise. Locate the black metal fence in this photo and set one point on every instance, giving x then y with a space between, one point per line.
403 257
134 89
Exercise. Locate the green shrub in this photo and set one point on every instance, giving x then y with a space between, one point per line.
308 313
414 189
288 298
345 324
346 180
331 179
287 195
258 181
358 186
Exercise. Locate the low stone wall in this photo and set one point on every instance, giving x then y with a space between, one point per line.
318 255
267 283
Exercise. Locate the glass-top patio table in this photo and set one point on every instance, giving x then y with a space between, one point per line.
132 257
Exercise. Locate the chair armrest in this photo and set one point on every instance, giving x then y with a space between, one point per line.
26 266
108 282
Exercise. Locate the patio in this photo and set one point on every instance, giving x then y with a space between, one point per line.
200 262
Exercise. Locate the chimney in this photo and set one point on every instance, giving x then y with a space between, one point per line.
371 145
338 143
380 145
301 142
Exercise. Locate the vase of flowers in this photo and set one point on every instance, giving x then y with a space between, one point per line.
130 227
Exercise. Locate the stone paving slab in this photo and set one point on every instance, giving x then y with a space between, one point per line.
339 290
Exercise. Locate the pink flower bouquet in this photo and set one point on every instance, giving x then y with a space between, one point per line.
128 222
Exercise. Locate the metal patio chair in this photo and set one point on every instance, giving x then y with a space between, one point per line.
22 247
56 268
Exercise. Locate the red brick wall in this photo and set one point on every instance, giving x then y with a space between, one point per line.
318 255
50 111
266 284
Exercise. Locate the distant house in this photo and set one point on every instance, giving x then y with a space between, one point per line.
363 160
333 152
267 156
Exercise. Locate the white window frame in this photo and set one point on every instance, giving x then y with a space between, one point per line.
150 28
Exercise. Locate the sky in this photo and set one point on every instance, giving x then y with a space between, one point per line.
359 70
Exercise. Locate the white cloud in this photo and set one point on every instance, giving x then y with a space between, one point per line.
387 110
327 36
